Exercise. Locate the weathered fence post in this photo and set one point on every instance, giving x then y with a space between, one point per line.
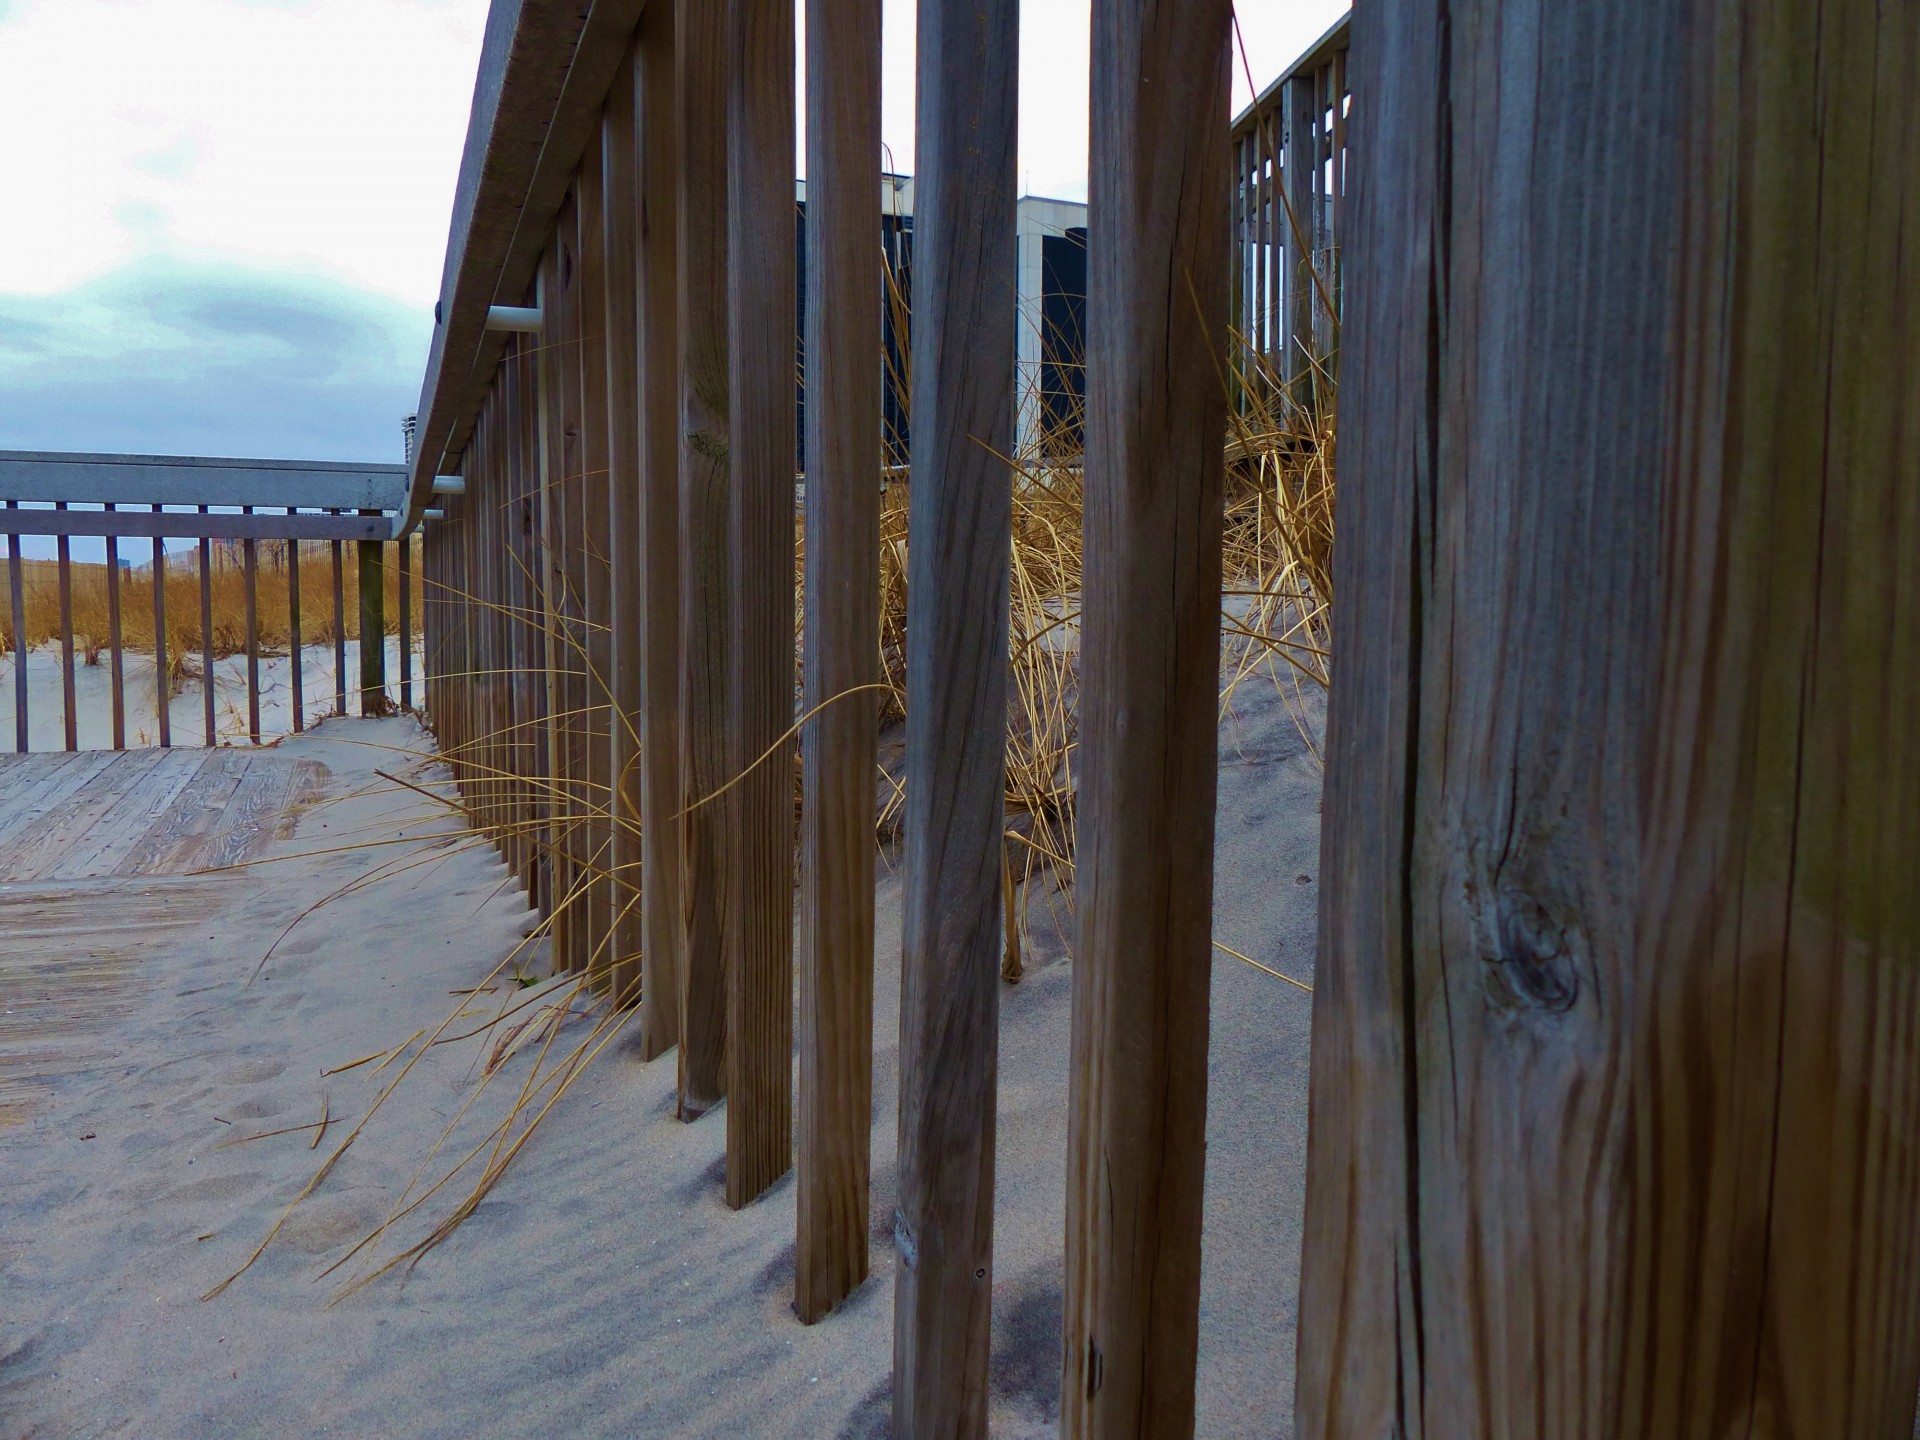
1616 1110
760 451
1150 641
700 69
839 654
958 561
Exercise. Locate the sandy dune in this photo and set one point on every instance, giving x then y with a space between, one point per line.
603 1288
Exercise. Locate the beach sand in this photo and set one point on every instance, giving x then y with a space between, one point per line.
186 707
603 1288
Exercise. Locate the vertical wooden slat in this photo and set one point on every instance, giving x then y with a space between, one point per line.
250 564
701 50
295 655
373 626
206 638
626 693
530 639
760 453
17 597
339 626
663 923
1156 415
595 600
1296 218
837 747
555 610
162 677
573 555
404 559
69 706
116 677
960 523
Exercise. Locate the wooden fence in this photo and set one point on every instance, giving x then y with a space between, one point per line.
1290 215
610 613
237 511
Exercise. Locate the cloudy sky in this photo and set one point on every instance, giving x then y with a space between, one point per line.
226 218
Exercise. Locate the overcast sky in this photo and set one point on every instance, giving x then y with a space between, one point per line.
226 218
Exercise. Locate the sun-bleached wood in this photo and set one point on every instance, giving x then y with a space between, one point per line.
1158 196
662 792
761 344
1615 1119
839 654
700 70
958 562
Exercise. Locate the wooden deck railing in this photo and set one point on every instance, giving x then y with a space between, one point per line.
1290 191
610 617
238 512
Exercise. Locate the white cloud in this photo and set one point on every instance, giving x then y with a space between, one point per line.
323 137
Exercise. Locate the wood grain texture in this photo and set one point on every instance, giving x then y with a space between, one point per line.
1615 1112
662 794
621 217
596 639
549 542
1158 197
700 68
960 521
842 618
758 811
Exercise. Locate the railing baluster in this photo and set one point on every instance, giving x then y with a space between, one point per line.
296 680
64 549
339 627
702 228
961 528
17 595
162 680
116 673
206 635
1150 644
842 618
404 559
250 566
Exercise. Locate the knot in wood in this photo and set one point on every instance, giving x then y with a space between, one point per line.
1532 954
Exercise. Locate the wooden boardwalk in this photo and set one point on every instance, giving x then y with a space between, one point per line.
103 857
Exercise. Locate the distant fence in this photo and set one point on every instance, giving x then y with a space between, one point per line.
1290 191
236 511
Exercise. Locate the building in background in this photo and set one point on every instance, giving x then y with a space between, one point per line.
1049 334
